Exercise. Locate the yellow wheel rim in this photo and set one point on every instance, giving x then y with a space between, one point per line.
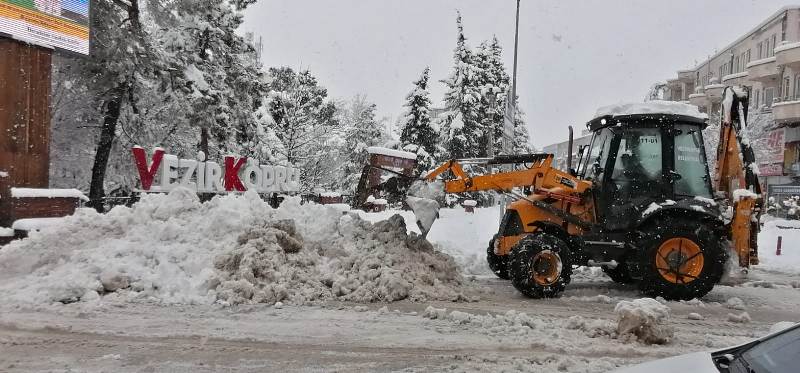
545 268
679 260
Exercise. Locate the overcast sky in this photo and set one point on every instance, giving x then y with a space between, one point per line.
573 56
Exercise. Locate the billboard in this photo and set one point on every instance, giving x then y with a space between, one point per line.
770 153
61 24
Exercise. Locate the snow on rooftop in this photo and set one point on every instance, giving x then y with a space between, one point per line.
6 232
763 60
787 46
734 76
470 203
391 152
34 224
47 193
330 195
651 107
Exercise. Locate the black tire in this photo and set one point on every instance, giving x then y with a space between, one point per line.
497 263
620 274
530 249
712 252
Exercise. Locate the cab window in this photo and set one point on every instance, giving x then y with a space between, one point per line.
691 172
638 166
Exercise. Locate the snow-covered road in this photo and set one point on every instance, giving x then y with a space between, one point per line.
566 334
499 330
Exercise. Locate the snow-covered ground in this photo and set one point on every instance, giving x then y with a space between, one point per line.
170 256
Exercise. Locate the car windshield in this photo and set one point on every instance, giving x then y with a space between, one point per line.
778 354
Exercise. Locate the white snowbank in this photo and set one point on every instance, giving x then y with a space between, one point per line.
651 107
171 248
391 152
644 319
6 232
33 224
789 260
460 235
47 193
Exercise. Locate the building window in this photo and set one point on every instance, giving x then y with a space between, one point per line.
760 47
796 87
786 88
766 49
769 94
774 44
758 98
747 56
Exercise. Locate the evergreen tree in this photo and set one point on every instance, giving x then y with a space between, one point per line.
418 135
361 131
302 119
493 79
522 141
462 131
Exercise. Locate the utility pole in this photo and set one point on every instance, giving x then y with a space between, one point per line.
516 47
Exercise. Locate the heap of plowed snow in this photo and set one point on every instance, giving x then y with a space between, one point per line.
232 249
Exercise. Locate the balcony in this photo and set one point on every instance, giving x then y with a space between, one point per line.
714 92
699 99
764 70
686 76
786 110
788 55
735 79
675 89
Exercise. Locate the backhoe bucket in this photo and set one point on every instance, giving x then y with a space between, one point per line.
421 199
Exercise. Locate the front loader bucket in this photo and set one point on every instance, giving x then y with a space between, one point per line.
421 199
425 211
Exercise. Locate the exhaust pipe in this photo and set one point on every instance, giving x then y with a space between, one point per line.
569 151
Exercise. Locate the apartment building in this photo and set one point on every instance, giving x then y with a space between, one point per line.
766 59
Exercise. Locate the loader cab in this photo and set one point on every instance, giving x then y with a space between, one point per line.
635 160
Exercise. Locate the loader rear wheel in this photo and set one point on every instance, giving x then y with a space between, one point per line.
682 259
497 263
540 266
619 274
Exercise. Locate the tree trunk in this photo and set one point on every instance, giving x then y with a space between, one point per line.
107 135
204 141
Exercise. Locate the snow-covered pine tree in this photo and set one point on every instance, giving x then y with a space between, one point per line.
417 134
362 131
492 78
226 83
461 130
522 140
303 120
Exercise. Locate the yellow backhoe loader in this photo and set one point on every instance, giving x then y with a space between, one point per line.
641 203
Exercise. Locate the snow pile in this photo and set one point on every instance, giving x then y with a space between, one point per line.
741 318
174 249
644 319
780 325
735 303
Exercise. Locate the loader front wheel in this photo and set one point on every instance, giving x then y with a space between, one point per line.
540 266
497 263
681 259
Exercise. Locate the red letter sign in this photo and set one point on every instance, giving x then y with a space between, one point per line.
146 175
232 181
